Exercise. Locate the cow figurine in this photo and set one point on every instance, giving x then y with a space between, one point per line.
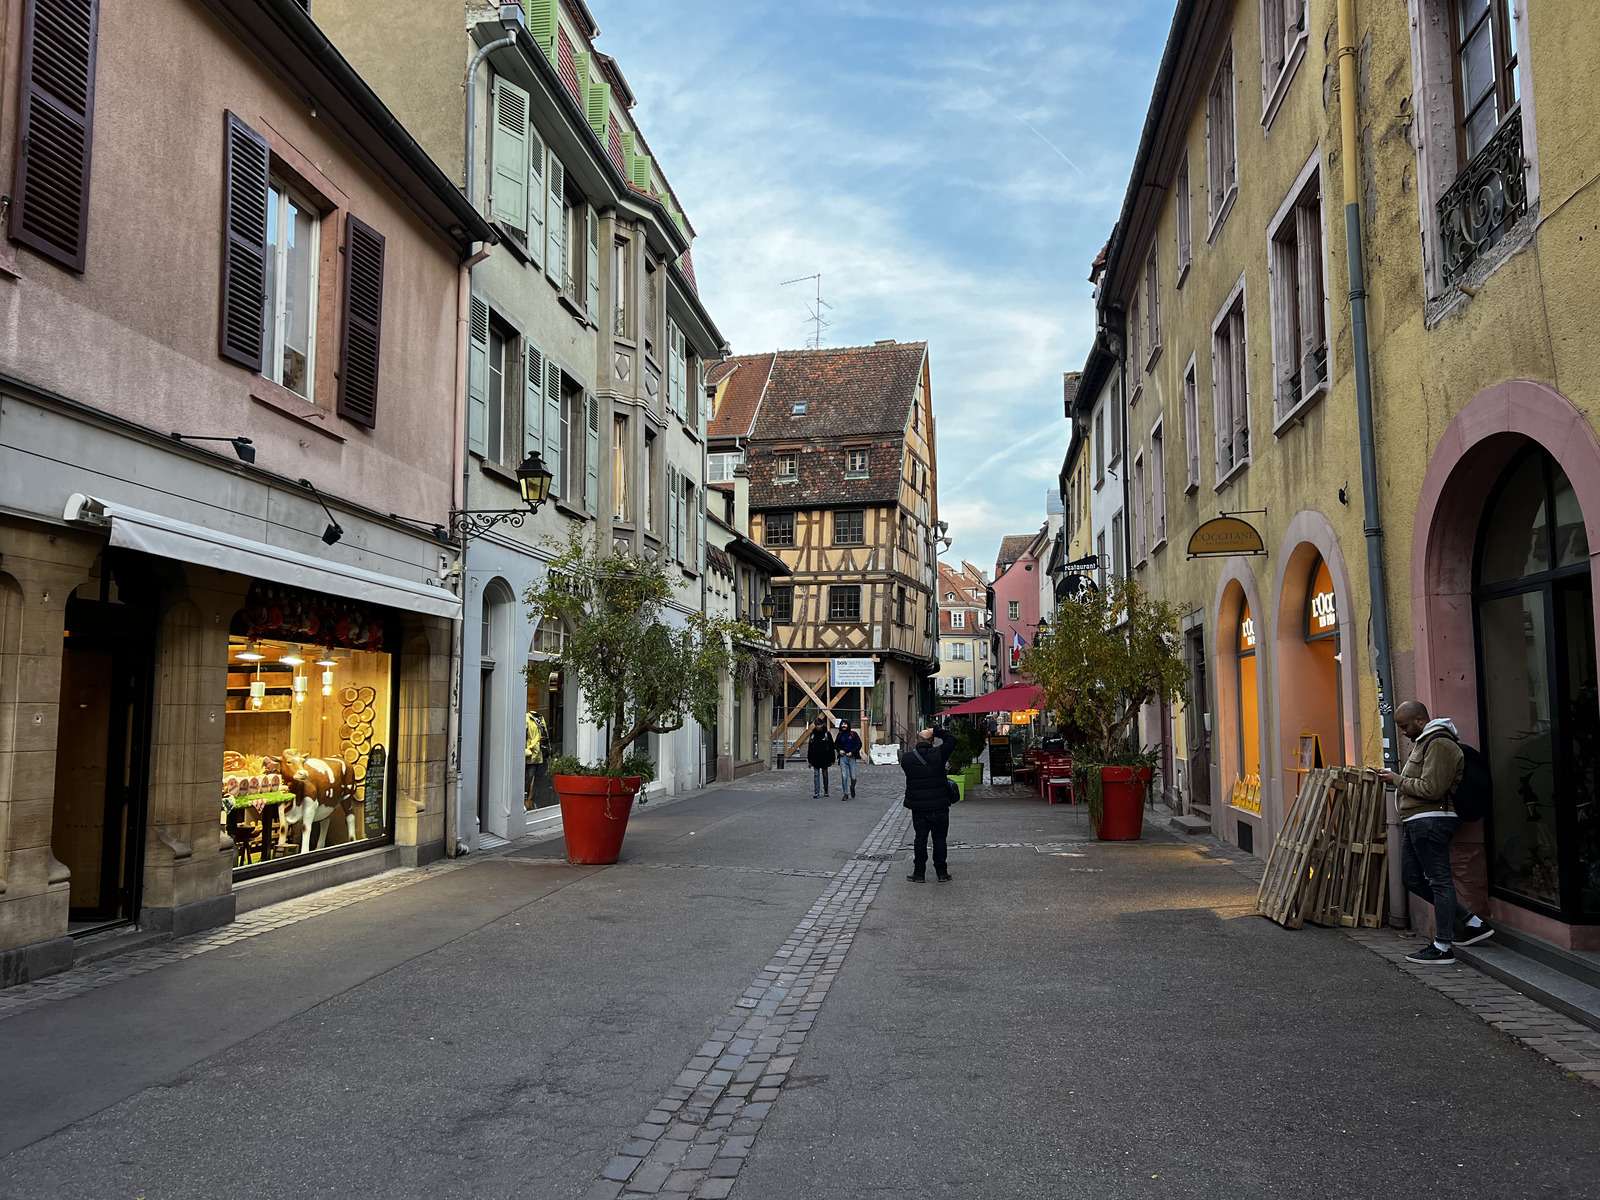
319 786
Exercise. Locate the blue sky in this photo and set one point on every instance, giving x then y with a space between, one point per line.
950 169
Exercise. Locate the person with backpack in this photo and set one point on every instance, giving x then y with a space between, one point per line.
848 746
929 793
1426 785
820 754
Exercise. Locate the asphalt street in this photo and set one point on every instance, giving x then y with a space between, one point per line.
1066 1018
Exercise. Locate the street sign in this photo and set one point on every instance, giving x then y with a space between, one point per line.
852 672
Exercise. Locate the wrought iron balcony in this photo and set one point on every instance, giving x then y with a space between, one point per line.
1486 199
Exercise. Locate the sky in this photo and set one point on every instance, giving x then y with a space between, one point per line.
951 170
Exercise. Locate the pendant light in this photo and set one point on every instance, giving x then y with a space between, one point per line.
300 684
292 659
250 653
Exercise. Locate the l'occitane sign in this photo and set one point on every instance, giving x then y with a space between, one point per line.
1225 535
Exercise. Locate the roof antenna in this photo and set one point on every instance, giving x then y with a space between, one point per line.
817 321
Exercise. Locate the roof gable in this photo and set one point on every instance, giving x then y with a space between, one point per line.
846 392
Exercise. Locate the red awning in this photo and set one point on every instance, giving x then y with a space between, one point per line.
1014 697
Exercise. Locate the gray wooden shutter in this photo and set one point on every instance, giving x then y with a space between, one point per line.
363 322
536 196
533 402
508 152
244 251
554 449
478 377
674 496
554 223
592 264
700 532
50 199
591 457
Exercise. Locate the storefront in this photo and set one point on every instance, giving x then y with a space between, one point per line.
547 717
1249 698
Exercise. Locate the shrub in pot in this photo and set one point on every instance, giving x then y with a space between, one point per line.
637 675
1109 652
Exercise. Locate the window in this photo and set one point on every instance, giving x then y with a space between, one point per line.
788 462
1100 556
1182 205
1115 421
621 278
849 527
1283 35
1222 168
1299 300
958 684
1152 308
719 467
1191 428
288 338
855 464
1486 71
652 457
844 602
619 469
651 276
1100 447
677 372
779 529
783 603
958 620
983 651
1013 610
1231 398
958 651
1158 488
900 606
798 408
1136 495
1117 566
494 432
1135 359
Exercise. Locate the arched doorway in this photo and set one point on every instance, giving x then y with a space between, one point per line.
494 806
1310 638
1249 697
549 707
1533 606
1239 755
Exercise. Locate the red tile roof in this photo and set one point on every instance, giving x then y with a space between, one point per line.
849 391
742 397
686 265
1012 548
820 481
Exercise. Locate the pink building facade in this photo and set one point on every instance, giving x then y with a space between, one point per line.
1015 607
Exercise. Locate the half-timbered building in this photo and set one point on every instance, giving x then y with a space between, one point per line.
843 489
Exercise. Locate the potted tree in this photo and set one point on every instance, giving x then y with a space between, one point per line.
1110 652
637 675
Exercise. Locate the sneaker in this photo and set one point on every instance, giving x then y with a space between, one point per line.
1431 956
844 797
915 879
1471 935
944 876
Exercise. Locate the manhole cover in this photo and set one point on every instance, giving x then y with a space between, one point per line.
875 858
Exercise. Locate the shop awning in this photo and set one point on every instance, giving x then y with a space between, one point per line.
1014 697
168 538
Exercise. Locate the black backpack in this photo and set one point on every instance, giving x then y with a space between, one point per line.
1475 793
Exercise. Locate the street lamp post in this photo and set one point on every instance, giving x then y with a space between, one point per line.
533 480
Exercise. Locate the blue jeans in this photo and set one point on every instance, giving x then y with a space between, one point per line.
1425 868
847 774
819 781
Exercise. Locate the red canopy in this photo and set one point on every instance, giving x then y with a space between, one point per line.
1014 697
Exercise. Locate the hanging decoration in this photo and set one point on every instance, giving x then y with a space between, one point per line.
276 611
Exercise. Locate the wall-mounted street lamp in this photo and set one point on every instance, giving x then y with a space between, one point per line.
534 481
768 607
242 446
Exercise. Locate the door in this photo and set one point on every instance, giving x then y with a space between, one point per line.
1196 736
486 725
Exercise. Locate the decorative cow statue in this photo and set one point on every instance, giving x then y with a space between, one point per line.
319 786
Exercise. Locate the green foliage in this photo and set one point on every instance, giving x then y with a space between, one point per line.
1109 652
637 674
969 742
634 766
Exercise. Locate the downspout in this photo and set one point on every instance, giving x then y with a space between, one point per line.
453 842
1377 587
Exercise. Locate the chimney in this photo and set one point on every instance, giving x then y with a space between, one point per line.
741 499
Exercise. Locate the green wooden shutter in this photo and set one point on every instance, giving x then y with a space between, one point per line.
639 170
543 23
592 265
478 377
591 457
536 196
533 402
554 219
674 497
599 106
554 450
508 150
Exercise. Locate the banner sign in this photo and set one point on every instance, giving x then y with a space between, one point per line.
1223 536
852 672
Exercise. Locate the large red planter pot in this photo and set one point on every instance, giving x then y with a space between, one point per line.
594 815
1122 802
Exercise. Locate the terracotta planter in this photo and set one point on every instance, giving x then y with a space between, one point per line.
1122 803
594 815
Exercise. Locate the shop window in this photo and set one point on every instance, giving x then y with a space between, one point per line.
1322 686
1249 713
546 718
309 729
1537 690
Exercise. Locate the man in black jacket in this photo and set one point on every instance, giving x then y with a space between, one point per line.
820 753
928 796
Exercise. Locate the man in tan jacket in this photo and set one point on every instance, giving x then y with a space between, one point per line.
1425 785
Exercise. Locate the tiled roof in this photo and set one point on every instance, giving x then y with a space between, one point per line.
742 398
686 265
820 474
1069 390
1012 547
844 392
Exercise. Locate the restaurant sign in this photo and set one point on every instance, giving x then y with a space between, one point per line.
1224 536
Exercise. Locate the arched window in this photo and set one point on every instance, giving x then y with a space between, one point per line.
1537 689
1322 739
1249 712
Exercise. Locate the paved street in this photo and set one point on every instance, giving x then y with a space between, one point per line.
755 1003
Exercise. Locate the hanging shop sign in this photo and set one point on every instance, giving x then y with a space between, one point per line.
852 672
1224 537
278 611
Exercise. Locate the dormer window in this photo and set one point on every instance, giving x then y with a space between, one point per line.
855 464
788 463
799 409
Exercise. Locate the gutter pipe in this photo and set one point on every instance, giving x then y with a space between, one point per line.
1373 526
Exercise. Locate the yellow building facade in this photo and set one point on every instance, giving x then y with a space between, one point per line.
1226 296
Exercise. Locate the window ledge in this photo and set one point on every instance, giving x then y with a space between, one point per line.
1191 487
281 400
516 243
1221 218
1239 468
857 475
1133 400
1296 415
1462 291
577 514
1273 99
572 307
495 471
1183 272
1155 357
1161 544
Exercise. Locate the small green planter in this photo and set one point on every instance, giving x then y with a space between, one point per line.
974 774
961 784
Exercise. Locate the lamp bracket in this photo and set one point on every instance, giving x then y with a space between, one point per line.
474 523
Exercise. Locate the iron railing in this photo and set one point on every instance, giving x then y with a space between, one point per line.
1486 199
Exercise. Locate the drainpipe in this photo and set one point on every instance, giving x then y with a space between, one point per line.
1369 465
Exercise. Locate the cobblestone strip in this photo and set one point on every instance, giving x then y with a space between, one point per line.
1563 1041
1041 847
666 866
698 1134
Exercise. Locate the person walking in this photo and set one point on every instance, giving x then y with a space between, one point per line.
820 754
848 746
1425 785
928 796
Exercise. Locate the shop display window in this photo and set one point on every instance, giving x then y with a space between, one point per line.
309 727
547 715
1249 713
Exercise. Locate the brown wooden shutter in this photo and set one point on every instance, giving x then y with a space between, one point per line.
363 320
50 204
244 247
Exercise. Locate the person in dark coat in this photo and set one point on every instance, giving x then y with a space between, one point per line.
819 753
928 796
848 744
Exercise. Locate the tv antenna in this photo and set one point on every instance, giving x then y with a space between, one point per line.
817 321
